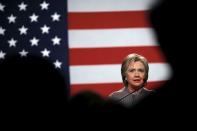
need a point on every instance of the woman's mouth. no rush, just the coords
(137, 80)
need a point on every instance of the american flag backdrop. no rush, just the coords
(86, 40)
(101, 33)
(29, 27)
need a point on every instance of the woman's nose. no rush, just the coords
(136, 73)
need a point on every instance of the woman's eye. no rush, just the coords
(131, 70)
(141, 70)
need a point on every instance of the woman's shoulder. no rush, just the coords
(117, 94)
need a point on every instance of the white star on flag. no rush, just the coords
(45, 53)
(34, 18)
(2, 31)
(55, 17)
(56, 40)
(45, 29)
(12, 18)
(23, 30)
(12, 42)
(23, 53)
(22, 6)
(34, 41)
(44, 5)
(57, 64)
(2, 7)
(2, 54)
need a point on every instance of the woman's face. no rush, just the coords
(135, 75)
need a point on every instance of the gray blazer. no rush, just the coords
(128, 99)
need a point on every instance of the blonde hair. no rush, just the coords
(133, 58)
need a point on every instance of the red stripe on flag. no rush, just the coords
(95, 20)
(106, 89)
(91, 56)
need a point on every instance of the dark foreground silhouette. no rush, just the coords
(36, 93)
(32, 92)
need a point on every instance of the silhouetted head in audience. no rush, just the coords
(31, 87)
(88, 101)
(173, 26)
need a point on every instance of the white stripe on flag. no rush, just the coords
(108, 5)
(111, 73)
(111, 38)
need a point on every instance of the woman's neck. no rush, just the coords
(133, 89)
